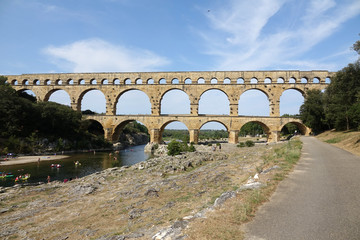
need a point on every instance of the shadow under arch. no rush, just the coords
(164, 125)
(302, 128)
(127, 91)
(94, 127)
(264, 127)
(120, 127)
(217, 102)
(180, 103)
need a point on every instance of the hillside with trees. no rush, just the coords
(28, 126)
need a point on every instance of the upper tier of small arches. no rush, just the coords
(247, 77)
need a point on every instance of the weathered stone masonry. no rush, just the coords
(194, 84)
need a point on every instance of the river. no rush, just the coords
(90, 163)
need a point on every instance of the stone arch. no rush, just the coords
(240, 81)
(105, 81)
(162, 81)
(303, 129)
(116, 81)
(328, 80)
(119, 128)
(95, 102)
(81, 82)
(164, 125)
(280, 80)
(254, 80)
(215, 103)
(215, 121)
(201, 80)
(227, 80)
(291, 100)
(266, 128)
(213, 81)
(70, 81)
(36, 82)
(92, 127)
(188, 81)
(316, 80)
(267, 80)
(304, 80)
(61, 97)
(292, 80)
(175, 81)
(150, 81)
(28, 91)
(139, 81)
(25, 82)
(14, 82)
(178, 103)
(127, 81)
(58, 82)
(93, 81)
(133, 105)
(254, 97)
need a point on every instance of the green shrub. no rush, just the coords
(241, 144)
(249, 143)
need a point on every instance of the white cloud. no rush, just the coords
(96, 55)
(242, 36)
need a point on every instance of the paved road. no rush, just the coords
(319, 200)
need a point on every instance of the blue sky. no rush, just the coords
(42, 36)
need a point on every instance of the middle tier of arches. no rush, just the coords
(157, 98)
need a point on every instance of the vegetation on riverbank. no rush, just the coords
(28, 126)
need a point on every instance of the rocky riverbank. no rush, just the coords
(155, 199)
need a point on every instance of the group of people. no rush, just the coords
(214, 147)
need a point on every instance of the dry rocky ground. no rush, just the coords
(160, 198)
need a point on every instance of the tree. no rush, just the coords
(341, 94)
(312, 112)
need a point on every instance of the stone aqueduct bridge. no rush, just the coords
(194, 84)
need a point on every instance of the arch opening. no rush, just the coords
(280, 80)
(188, 81)
(254, 80)
(201, 81)
(240, 81)
(254, 102)
(139, 81)
(227, 81)
(36, 82)
(162, 81)
(28, 94)
(93, 100)
(127, 81)
(291, 129)
(290, 102)
(70, 82)
(150, 81)
(255, 131)
(292, 80)
(105, 82)
(175, 101)
(58, 96)
(214, 101)
(133, 102)
(126, 131)
(304, 80)
(213, 132)
(116, 81)
(267, 80)
(174, 130)
(213, 81)
(175, 81)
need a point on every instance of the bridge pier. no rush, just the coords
(155, 136)
(233, 136)
(194, 135)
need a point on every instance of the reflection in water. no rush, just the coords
(89, 161)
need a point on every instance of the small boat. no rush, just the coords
(55, 165)
(22, 178)
(6, 175)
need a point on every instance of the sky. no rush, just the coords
(67, 36)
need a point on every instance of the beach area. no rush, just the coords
(30, 159)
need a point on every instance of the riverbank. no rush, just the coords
(162, 198)
(30, 159)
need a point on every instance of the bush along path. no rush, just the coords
(162, 198)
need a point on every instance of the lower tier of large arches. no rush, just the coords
(272, 126)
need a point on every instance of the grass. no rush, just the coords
(334, 140)
(225, 222)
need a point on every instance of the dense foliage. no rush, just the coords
(176, 148)
(27, 126)
(339, 106)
